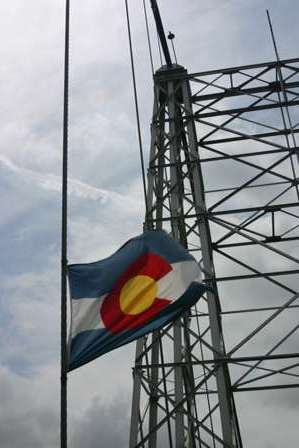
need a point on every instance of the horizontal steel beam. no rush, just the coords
(236, 91)
(276, 386)
(231, 70)
(262, 274)
(265, 208)
(274, 239)
(241, 110)
(227, 71)
(245, 310)
(229, 360)
(242, 156)
(248, 137)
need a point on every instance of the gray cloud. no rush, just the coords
(25, 419)
(103, 425)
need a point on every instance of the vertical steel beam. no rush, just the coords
(174, 145)
(175, 211)
(207, 257)
(153, 399)
(135, 411)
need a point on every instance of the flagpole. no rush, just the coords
(63, 386)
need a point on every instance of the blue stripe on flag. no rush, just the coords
(95, 279)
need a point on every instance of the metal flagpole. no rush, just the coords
(63, 390)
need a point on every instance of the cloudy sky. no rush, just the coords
(106, 206)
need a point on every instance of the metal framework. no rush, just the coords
(223, 180)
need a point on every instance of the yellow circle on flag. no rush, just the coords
(138, 294)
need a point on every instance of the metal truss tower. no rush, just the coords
(223, 180)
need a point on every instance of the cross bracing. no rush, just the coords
(223, 180)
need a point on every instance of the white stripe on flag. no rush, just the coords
(86, 312)
(174, 284)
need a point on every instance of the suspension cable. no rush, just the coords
(148, 36)
(136, 107)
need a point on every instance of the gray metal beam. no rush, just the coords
(184, 394)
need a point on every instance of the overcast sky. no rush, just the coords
(106, 204)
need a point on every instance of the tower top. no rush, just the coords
(173, 70)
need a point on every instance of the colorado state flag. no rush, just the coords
(150, 281)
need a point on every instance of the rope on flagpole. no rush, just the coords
(136, 109)
(63, 384)
(148, 37)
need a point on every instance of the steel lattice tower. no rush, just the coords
(223, 180)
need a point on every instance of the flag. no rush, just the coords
(150, 281)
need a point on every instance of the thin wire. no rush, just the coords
(285, 100)
(148, 36)
(174, 53)
(136, 109)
